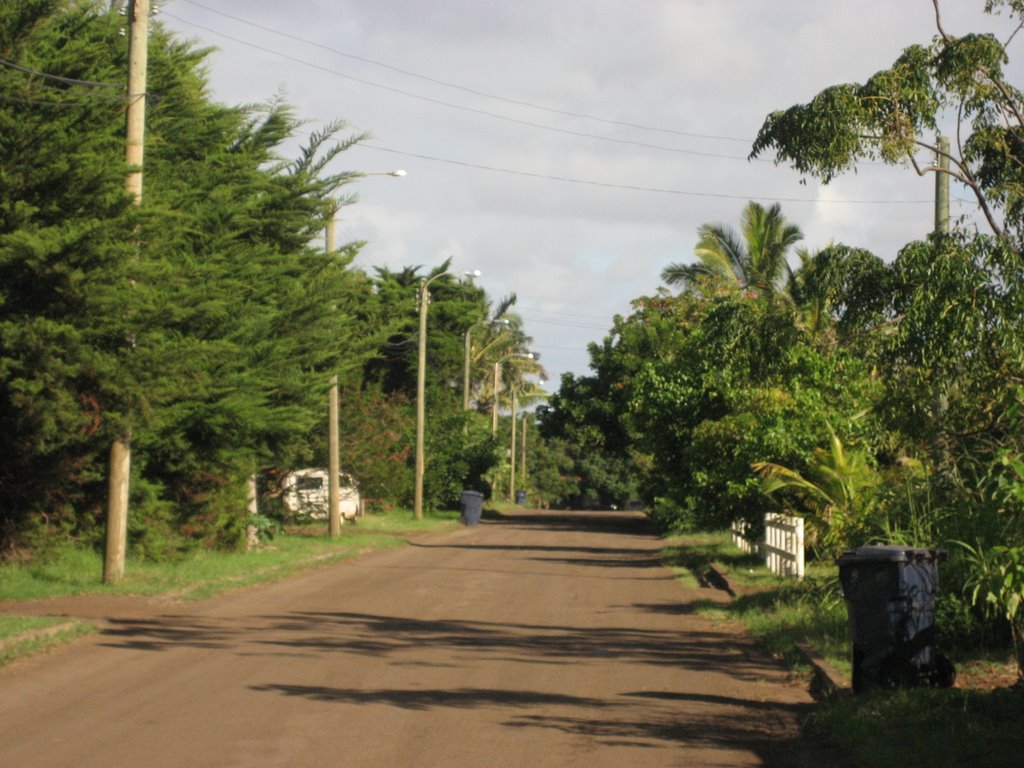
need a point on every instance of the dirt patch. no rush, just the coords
(984, 675)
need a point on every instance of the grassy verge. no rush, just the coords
(928, 727)
(979, 722)
(74, 570)
(77, 571)
(780, 613)
(24, 635)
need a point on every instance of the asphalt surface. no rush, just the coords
(537, 639)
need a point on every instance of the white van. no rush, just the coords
(304, 492)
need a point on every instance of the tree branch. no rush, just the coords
(964, 176)
(1013, 35)
(938, 21)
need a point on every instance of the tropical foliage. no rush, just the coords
(756, 261)
(878, 396)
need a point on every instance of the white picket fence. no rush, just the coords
(782, 546)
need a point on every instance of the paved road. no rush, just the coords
(540, 639)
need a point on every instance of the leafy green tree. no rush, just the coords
(953, 359)
(376, 445)
(60, 359)
(689, 391)
(738, 383)
(460, 452)
(897, 112)
(843, 294)
(455, 305)
(589, 415)
(946, 343)
(551, 481)
(755, 260)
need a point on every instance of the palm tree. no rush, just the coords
(837, 492)
(754, 259)
(807, 292)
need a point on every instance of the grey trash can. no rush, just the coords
(521, 498)
(890, 600)
(472, 507)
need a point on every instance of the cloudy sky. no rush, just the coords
(569, 149)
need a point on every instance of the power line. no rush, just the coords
(638, 188)
(45, 102)
(452, 105)
(57, 78)
(565, 324)
(472, 110)
(566, 314)
(463, 88)
(574, 348)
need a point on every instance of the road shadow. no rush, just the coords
(393, 637)
(696, 721)
(420, 699)
(699, 731)
(167, 632)
(582, 521)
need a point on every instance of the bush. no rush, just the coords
(460, 452)
(669, 516)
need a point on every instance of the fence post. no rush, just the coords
(784, 545)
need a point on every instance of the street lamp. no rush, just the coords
(421, 380)
(329, 229)
(333, 438)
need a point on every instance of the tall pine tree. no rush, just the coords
(208, 321)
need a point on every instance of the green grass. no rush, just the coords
(927, 727)
(779, 612)
(402, 521)
(74, 570)
(16, 625)
(77, 571)
(25, 635)
(920, 727)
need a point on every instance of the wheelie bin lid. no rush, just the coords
(889, 553)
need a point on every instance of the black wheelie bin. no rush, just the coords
(890, 600)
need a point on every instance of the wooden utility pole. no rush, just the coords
(421, 394)
(494, 408)
(135, 131)
(942, 185)
(333, 464)
(333, 438)
(512, 454)
(940, 401)
(522, 462)
(329, 232)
